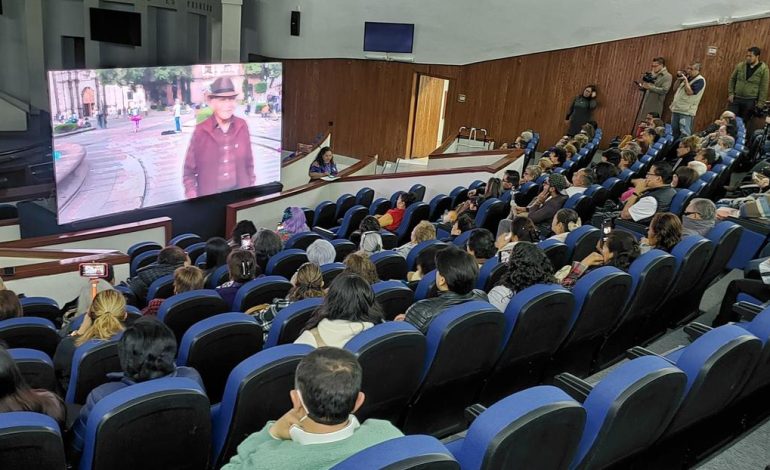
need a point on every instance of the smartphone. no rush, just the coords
(606, 228)
(246, 243)
(94, 270)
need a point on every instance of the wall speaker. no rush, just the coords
(295, 23)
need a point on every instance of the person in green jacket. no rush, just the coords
(748, 85)
(320, 429)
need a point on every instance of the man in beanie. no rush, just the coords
(547, 203)
(219, 156)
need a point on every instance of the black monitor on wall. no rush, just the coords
(119, 27)
(388, 37)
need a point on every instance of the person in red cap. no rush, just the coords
(219, 156)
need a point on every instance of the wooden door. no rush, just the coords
(428, 115)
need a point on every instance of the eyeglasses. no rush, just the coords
(691, 213)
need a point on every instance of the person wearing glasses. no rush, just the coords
(652, 194)
(699, 217)
(689, 86)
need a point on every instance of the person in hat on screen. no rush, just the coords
(219, 156)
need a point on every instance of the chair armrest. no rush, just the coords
(473, 412)
(746, 310)
(696, 330)
(327, 234)
(638, 351)
(576, 387)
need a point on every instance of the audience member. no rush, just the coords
(266, 245)
(527, 266)
(727, 117)
(244, 227)
(481, 245)
(531, 174)
(581, 109)
(360, 264)
(611, 155)
(146, 351)
(217, 250)
(511, 180)
(581, 180)
(725, 143)
(425, 263)
(748, 84)
(292, 223)
(349, 308)
(689, 88)
(706, 156)
(685, 152)
(627, 160)
(17, 395)
(323, 165)
(470, 207)
(570, 151)
(422, 232)
(368, 224)
(10, 307)
(186, 278)
(753, 206)
(307, 282)
(320, 430)
(392, 218)
(564, 222)
(633, 146)
(169, 259)
(371, 242)
(547, 203)
(103, 321)
(756, 288)
(588, 130)
(603, 171)
(699, 167)
(556, 155)
(619, 249)
(664, 232)
(493, 188)
(463, 224)
(653, 194)
(456, 273)
(699, 217)
(242, 268)
(648, 138)
(546, 165)
(321, 252)
(510, 232)
(684, 177)
(520, 142)
(80, 305)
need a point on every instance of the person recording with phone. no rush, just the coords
(655, 85)
(690, 86)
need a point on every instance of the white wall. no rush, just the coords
(454, 32)
(60, 287)
(13, 50)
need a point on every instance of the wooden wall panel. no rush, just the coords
(369, 101)
(427, 115)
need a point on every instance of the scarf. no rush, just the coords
(696, 226)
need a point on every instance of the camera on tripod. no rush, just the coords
(648, 77)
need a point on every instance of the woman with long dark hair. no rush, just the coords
(217, 250)
(349, 308)
(323, 165)
(527, 266)
(664, 232)
(581, 109)
(619, 250)
(16, 395)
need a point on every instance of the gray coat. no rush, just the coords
(654, 97)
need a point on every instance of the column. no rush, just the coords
(231, 30)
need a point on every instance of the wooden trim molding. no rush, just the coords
(9, 222)
(160, 222)
(64, 261)
(300, 155)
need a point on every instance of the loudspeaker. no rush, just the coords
(295, 23)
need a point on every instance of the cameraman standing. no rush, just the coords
(689, 91)
(748, 85)
(655, 84)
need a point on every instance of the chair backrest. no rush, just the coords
(379, 206)
(439, 204)
(41, 307)
(725, 236)
(143, 259)
(364, 197)
(415, 213)
(309, 216)
(491, 212)
(30, 332)
(290, 321)
(244, 409)
(490, 274)
(218, 277)
(260, 291)
(351, 221)
(581, 242)
(324, 214)
(697, 187)
(36, 367)
(330, 271)
(411, 258)
(526, 193)
(395, 350)
(195, 250)
(458, 195)
(301, 240)
(760, 327)
(161, 288)
(598, 194)
(181, 311)
(651, 276)
(217, 344)
(30, 440)
(403, 453)
(184, 240)
(462, 239)
(516, 431)
(91, 363)
(344, 202)
(138, 248)
(628, 410)
(419, 191)
(159, 408)
(556, 252)
(680, 201)
(692, 255)
(394, 298)
(615, 186)
(389, 265)
(426, 288)
(600, 296)
(718, 364)
(343, 248)
(286, 263)
(389, 240)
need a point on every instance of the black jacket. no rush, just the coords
(140, 283)
(422, 313)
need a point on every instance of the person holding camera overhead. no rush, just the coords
(747, 86)
(581, 110)
(689, 91)
(655, 84)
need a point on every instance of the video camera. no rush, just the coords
(762, 110)
(648, 77)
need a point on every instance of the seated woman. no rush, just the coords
(648, 139)
(349, 308)
(603, 171)
(217, 250)
(307, 282)
(323, 165)
(359, 263)
(481, 245)
(16, 394)
(392, 219)
(10, 307)
(527, 266)
(684, 177)
(520, 142)
(664, 232)
(242, 268)
(186, 278)
(619, 249)
(531, 174)
(425, 263)
(546, 165)
(493, 188)
(103, 321)
(422, 232)
(146, 350)
(464, 223)
(321, 252)
(371, 242)
(266, 245)
(564, 222)
(510, 232)
(627, 159)
(685, 152)
(292, 223)
(244, 227)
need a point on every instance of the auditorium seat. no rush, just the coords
(539, 427)
(598, 194)
(41, 307)
(389, 240)
(394, 198)
(324, 213)
(138, 248)
(626, 411)
(402, 453)
(170, 416)
(91, 363)
(556, 252)
(697, 187)
(181, 311)
(309, 216)
(161, 288)
(581, 242)
(419, 192)
(30, 441)
(490, 274)
(426, 288)
(285, 263)
(581, 204)
(260, 291)
(389, 265)
(36, 367)
(755, 235)
(438, 205)
(290, 321)
(364, 197)
(343, 248)
(411, 258)
(536, 321)
(681, 201)
(30, 332)
(141, 260)
(392, 356)
(244, 409)
(491, 212)
(458, 195)
(216, 345)
(301, 240)
(615, 187)
(350, 222)
(415, 213)
(330, 271)
(526, 194)
(195, 250)
(461, 240)
(379, 206)
(200, 261)
(393, 297)
(184, 240)
(463, 343)
(344, 203)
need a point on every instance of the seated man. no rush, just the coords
(320, 430)
(581, 180)
(169, 259)
(511, 180)
(653, 194)
(725, 118)
(706, 156)
(456, 273)
(699, 217)
(481, 245)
